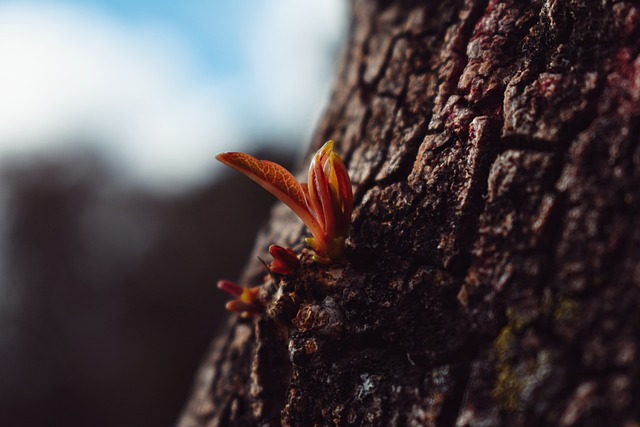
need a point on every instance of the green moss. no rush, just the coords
(566, 310)
(508, 388)
(517, 379)
(439, 279)
(504, 343)
(547, 304)
(519, 320)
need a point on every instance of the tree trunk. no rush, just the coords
(493, 266)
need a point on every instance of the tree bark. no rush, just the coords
(493, 271)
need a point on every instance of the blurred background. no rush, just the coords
(115, 220)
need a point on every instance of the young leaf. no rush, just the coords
(276, 180)
(324, 204)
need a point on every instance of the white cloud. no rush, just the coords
(289, 47)
(74, 75)
(70, 74)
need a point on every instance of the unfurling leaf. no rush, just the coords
(275, 179)
(324, 204)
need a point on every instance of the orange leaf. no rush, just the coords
(340, 180)
(276, 180)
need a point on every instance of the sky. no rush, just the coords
(159, 87)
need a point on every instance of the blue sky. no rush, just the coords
(213, 29)
(158, 87)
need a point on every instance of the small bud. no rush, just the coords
(285, 260)
(246, 302)
(331, 200)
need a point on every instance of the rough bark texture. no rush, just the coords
(493, 267)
